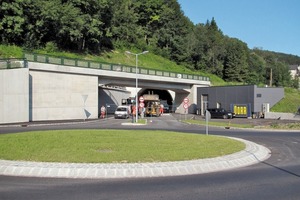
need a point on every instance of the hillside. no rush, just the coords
(149, 60)
(282, 57)
(109, 28)
(290, 103)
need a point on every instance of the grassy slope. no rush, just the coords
(148, 60)
(10, 51)
(290, 103)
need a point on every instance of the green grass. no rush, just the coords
(118, 56)
(10, 51)
(224, 124)
(279, 126)
(113, 146)
(152, 61)
(284, 126)
(290, 103)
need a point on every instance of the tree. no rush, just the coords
(296, 82)
(236, 65)
(84, 24)
(41, 20)
(156, 25)
(281, 75)
(212, 49)
(11, 21)
(177, 28)
(257, 69)
(124, 28)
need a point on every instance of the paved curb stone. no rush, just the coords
(252, 154)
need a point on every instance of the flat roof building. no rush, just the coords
(243, 100)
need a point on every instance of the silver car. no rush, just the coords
(122, 112)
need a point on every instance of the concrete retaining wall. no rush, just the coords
(62, 96)
(14, 95)
(111, 98)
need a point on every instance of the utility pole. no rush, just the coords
(271, 77)
(136, 82)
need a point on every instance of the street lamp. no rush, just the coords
(136, 80)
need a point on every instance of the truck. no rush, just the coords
(152, 105)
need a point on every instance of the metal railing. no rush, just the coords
(12, 63)
(107, 66)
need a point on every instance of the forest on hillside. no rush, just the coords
(159, 26)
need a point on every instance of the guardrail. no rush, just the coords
(12, 63)
(105, 66)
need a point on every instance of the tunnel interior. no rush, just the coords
(163, 94)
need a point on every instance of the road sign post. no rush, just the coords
(141, 106)
(207, 117)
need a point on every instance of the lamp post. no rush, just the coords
(136, 80)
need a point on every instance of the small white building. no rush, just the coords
(295, 71)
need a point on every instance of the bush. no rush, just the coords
(51, 47)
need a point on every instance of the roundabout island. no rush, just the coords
(124, 154)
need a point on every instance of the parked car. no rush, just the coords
(220, 113)
(122, 112)
(165, 106)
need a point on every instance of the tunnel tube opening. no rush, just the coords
(163, 95)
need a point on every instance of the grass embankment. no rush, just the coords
(289, 104)
(220, 124)
(10, 51)
(284, 126)
(276, 125)
(113, 146)
(118, 56)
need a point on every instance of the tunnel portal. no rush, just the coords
(163, 95)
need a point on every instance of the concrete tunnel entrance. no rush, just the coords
(112, 97)
(163, 95)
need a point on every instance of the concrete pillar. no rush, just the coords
(178, 102)
(192, 103)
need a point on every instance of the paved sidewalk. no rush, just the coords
(253, 154)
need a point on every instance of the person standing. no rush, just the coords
(133, 112)
(161, 109)
(102, 111)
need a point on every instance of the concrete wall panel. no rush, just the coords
(14, 95)
(60, 96)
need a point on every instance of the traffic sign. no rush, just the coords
(142, 105)
(185, 100)
(141, 99)
(185, 106)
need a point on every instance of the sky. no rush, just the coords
(272, 25)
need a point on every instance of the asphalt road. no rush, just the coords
(276, 178)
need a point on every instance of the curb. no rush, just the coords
(252, 154)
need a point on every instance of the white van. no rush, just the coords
(122, 112)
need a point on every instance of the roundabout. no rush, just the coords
(226, 177)
(252, 154)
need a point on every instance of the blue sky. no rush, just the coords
(272, 25)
